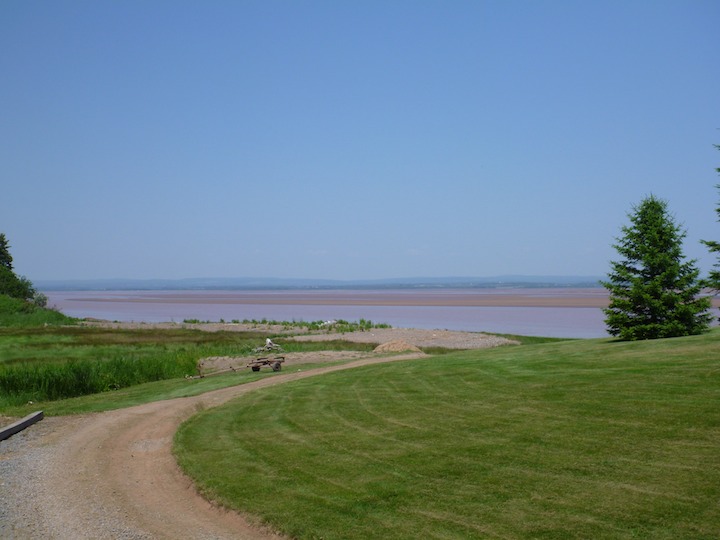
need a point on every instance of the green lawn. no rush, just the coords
(577, 439)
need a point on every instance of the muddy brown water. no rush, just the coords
(562, 312)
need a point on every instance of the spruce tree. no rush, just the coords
(713, 280)
(10, 283)
(653, 289)
(5, 257)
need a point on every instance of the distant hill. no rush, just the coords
(256, 283)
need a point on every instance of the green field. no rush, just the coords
(577, 439)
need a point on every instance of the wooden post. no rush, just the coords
(15, 427)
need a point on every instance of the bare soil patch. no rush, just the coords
(420, 338)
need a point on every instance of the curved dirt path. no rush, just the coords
(113, 475)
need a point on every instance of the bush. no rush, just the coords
(40, 300)
(14, 286)
(18, 312)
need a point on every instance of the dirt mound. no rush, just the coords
(397, 345)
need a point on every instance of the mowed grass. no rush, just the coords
(579, 439)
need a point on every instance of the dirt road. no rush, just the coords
(112, 475)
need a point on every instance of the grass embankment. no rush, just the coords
(581, 439)
(20, 313)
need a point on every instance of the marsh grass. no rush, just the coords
(575, 439)
(42, 364)
(335, 326)
(49, 381)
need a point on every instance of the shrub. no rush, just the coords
(18, 312)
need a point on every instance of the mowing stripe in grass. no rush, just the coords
(563, 440)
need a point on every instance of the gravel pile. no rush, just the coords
(397, 345)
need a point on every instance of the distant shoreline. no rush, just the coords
(486, 297)
(272, 284)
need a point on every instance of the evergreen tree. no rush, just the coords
(653, 290)
(713, 279)
(10, 283)
(5, 257)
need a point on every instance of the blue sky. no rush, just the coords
(350, 140)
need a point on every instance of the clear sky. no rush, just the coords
(351, 139)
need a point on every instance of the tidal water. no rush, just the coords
(572, 313)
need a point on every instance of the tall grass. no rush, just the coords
(41, 381)
(45, 363)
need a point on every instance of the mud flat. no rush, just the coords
(558, 312)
